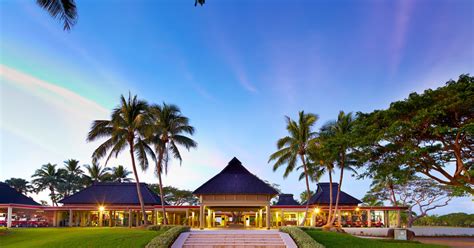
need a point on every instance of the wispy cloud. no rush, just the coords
(50, 92)
(403, 15)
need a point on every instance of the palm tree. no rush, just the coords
(168, 131)
(64, 10)
(338, 138)
(48, 178)
(295, 146)
(73, 174)
(20, 185)
(97, 173)
(125, 128)
(120, 174)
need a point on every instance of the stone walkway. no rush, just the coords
(234, 239)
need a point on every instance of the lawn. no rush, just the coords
(337, 240)
(76, 237)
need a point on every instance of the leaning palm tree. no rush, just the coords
(295, 146)
(48, 177)
(120, 174)
(338, 138)
(125, 129)
(20, 185)
(169, 130)
(97, 173)
(73, 174)
(64, 10)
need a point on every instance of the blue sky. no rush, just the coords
(234, 67)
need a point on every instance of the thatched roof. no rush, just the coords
(321, 197)
(235, 179)
(9, 195)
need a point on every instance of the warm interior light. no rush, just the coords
(357, 209)
(317, 210)
(101, 208)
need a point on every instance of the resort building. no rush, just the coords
(234, 198)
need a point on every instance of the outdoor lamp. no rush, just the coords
(101, 208)
(357, 208)
(316, 210)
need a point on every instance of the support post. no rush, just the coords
(369, 218)
(9, 217)
(187, 217)
(110, 218)
(137, 219)
(339, 217)
(260, 218)
(209, 218)
(268, 216)
(399, 220)
(101, 218)
(282, 218)
(130, 218)
(55, 218)
(70, 217)
(201, 217)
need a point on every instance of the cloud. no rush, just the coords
(403, 15)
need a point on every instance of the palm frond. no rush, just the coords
(64, 10)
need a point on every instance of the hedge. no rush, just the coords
(166, 239)
(302, 239)
(160, 227)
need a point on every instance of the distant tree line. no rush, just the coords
(453, 219)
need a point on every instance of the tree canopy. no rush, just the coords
(427, 133)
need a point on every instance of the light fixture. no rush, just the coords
(357, 208)
(317, 210)
(101, 208)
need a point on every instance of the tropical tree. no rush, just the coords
(48, 177)
(64, 10)
(295, 147)
(304, 196)
(120, 174)
(124, 129)
(72, 177)
(338, 140)
(425, 133)
(96, 173)
(20, 184)
(168, 132)
(176, 196)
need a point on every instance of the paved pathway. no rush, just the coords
(456, 242)
(234, 239)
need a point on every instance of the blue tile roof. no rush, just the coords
(321, 197)
(9, 195)
(286, 200)
(235, 179)
(113, 193)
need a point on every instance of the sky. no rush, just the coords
(235, 68)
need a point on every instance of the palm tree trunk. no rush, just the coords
(137, 182)
(394, 200)
(339, 187)
(53, 196)
(158, 170)
(329, 223)
(308, 192)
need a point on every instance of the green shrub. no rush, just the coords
(166, 239)
(302, 239)
(160, 227)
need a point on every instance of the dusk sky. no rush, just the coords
(235, 68)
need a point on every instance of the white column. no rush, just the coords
(187, 217)
(201, 216)
(268, 216)
(369, 218)
(70, 217)
(9, 217)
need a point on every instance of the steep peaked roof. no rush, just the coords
(9, 195)
(286, 200)
(235, 179)
(113, 193)
(322, 196)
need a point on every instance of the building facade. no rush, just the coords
(234, 198)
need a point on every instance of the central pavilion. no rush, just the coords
(234, 192)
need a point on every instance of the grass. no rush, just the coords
(333, 240)
(76, 237)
